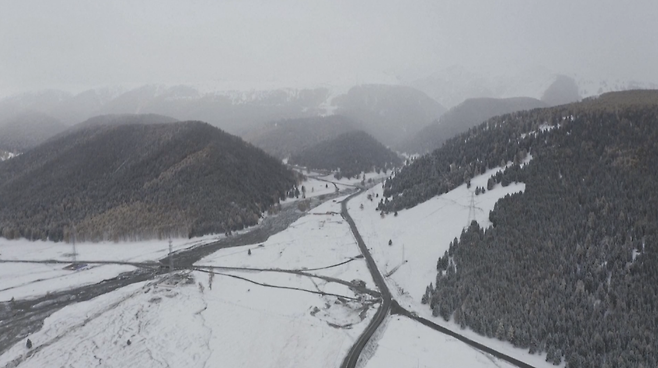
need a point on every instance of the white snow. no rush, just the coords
(421, 235)
(320, 239)
(261, 318)
(406, 343)
(316, 188)
(5, 155)
(27, 280)
(141, 251)
(175, 324)
(236, 323)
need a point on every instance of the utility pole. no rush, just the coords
(75, 255)
(471, 210)
(171, 257)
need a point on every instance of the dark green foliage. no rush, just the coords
(351, 152)
(138, 181)
(569, 267)
(462, 117)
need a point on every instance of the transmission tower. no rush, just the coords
(471, 210)
(171, 257)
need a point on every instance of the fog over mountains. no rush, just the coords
(392, 113)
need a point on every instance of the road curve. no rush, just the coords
(397, 309)
(353, 356)
(391, 306)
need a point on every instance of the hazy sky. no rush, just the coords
(73, 44)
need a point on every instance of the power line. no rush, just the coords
(471, 210)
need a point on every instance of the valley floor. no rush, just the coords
(236, 318)
(285, 302)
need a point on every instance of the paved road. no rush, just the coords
(397, 309)
(20, 318)
(353, 356)
(391, 306)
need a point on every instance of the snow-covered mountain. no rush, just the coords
(384, 107)
(455, 84)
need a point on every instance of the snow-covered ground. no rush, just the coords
(174, 323)
(318, 240)
(141, 251)
(406, 343)
(4, 155)
(248, 318)
(27, 280)
(24, 280)
(241, 321)
(421, 235)
(315, 188)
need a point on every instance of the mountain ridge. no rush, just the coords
(138, 181)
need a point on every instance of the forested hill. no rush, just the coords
(464, 116)
(283, 138)
(138, 181)
(351, 152)
(570, 266)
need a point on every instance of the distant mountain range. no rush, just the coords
(28, 129)
(388, 113)
(130, 181)
(462, 117)
(451, 86)
(391, 112)
(283, 138)
(349, 154)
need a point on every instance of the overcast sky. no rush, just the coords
(75, 44)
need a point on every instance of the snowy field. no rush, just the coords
(421, 235)
(317, 184)
(252, 318)
(408, 344)
(24, 280)
(173, 323)
(28, 280)
(141, 251)
(316, 242)
(226, 318)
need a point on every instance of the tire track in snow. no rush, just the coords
(35, 350)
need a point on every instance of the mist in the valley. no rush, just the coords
(76, 44)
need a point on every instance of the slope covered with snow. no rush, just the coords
(227, 318)
(406, 343)
(419, 236)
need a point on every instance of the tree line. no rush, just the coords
(569, 267)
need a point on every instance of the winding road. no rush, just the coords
(391, 306)
(353, 356)
(20, 318)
